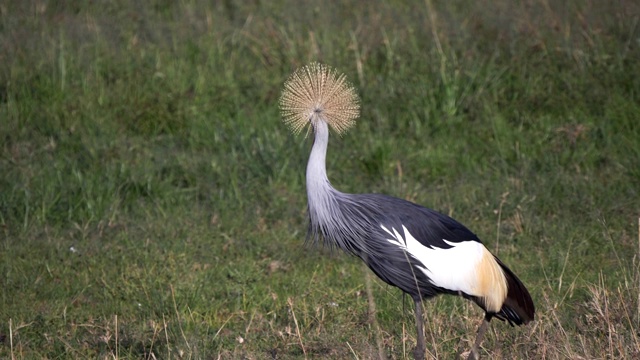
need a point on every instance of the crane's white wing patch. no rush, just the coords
(454, 269)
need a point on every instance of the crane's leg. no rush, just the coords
(419, 351)
(482, 329)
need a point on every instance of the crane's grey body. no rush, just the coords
(358, 224)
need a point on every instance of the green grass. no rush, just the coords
(152, 204)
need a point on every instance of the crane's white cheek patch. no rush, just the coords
(453, 269)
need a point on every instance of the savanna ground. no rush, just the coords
(152, 204)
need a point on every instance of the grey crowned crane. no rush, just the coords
(419, 250)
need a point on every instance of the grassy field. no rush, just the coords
(152, 203)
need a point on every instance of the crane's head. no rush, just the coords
(316, 92)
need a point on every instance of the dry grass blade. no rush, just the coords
(295, 321)
(318, 91)
(11, 338)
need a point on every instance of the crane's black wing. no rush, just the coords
(368, 225)
(432, 230)
(428, 226)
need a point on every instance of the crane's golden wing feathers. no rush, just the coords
(316, 90)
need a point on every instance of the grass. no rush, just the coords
(152, 204)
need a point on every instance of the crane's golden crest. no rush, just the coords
(318, 92)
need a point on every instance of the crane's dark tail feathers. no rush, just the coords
(518, 307)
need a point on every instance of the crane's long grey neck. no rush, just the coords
(320, 193)
(325, 215)
(332, 214)
(318, 184)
